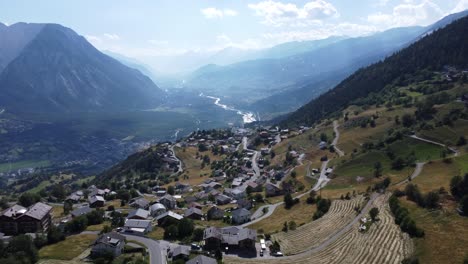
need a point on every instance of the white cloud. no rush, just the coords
(212, 12)
(279, 14)
(408, 14)
(111, 36)
(230, 12)
(158, 42)
(223, 38)
(95, 40)
(462, 5)
(324, 31)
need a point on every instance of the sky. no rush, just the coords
(148, 28)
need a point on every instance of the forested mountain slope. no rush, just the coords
(446, 46)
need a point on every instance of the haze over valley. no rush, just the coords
(266, 131)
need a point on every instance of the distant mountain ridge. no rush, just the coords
(265, 77)
(58, 70)
(284, 84)
(13, 40)
(445, 46)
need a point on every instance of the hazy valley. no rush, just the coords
(334, 149)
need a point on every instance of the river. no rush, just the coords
(247, 117)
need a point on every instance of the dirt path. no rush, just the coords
(416, 172)
(455, 151)
(180, 166)
(337, 137)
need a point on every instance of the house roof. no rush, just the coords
(168, 197)
(74, 197)
(241, 212)
(202, 259)
(96, 198)
(223, 197)
(157, 206)
(133, 223)
(215, 209)
(139, 213)
(192, 210)
(14, 211)
(181, 250)
(142, 202)
(230, 235)
(81, 211)
(170, 214)
(112, 239)
(38, 210)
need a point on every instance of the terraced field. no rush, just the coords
(314, 233)
(383, 243)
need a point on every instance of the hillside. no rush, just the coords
(58, 70)
(447, 46)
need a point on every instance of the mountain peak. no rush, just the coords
(58, 70)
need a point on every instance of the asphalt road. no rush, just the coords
(154, 249)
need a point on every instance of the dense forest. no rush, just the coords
(445, 47)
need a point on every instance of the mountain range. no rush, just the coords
(447, 46)
(50, 68)
(280, 85)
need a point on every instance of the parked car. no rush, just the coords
(261, 253)
(195, 246)
(278, 254)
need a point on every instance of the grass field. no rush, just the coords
(192, 165)
(157, 233)
(6, 167)
(67, 249)
(435, 175)
(53, 180)
(57, 211)
(462, 164)
(362, 166)
(446, 235)
(353, 136)
(300, 213)
(98, 227)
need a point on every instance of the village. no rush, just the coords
(221, 205)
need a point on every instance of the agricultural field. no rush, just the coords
(300, 213)
(360, 170)
(314, 233)
(383, 243)
(446, 234)
(13, 166)
(352, 135)
(436, 174)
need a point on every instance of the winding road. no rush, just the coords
(180, 168)
(258, 215)
(154, 248)
(416, 172)
(455, 151)
(335, 140)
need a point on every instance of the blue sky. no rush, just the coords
(148, 28)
